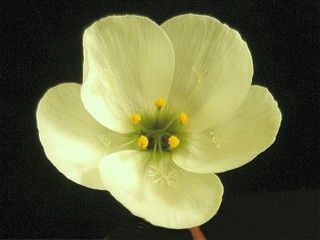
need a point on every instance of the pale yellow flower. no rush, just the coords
(160, 110)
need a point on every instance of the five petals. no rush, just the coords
(202, 67)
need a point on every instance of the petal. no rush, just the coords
(159, 191)
(213, 69)
(73, 141)
(250, 131)
(128, 63)
(81, 174)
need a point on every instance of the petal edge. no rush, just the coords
(164, 195)
(128, 63)
(250, 131)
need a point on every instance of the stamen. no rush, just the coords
(173, 142)
(135, 118)
(143, 142)
(183, 118)
(160, 103)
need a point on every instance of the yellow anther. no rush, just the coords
(173, 141)
(143, 142)
(183, 118)
(160, 103)
(135, 118)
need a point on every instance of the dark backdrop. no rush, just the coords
(276, 196)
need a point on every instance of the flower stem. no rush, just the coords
(168, 125)
(157, 117)
(197, 234)
(154, 151)
(160, 147)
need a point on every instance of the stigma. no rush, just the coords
(173, 141)
(135, 118)
(143, 142)
(160, 103)
(183, 118)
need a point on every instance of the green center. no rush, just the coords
(158, 129)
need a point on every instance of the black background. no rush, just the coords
(276, 196)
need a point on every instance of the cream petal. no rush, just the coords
(250, 131)
(213, 69)
(73, 141)
(159, 191)
(80, 174)
(128, 63)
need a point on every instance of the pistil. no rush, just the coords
(157, 136)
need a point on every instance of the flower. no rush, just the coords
(160, 110)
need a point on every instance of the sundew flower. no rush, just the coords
(161, 109)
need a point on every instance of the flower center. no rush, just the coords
(160, 131)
